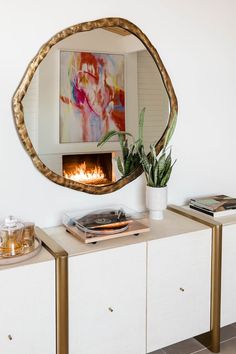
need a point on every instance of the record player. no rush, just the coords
(91, 226)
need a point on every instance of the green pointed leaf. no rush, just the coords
(110, 134)
(173, 163)
(120, 166)
(156, 175)
(150, 181)
(145, 163)
(125, 152)
(138, 144)
(123, 144)
(166, 166)
(107, 137)
(127, 164)
(135, 162)
(153, 153)
(171, 130)
(161, 163)
(140, 125)
(166, 178)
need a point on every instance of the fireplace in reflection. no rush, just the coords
(92, 168)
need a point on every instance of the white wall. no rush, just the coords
(196, 40)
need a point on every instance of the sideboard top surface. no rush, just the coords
(42, 256)
(173, 224)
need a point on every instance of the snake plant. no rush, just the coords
(130, 151)
(158, 167)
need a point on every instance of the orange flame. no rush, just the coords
(84, 174)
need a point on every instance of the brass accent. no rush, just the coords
(110, 309)
(181, 289)
(10, 337)
(210, 339)
(18, 113)
(61, 265)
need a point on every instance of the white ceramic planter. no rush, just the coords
(156, 201)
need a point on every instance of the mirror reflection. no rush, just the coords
(88, 84)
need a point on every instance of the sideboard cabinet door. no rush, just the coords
(228, 285)
(107, 297)
(27, 309)
(178, 293)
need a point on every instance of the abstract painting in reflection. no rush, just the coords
(92, 95)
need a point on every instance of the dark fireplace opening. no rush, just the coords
(95, 169)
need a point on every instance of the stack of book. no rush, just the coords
(216, 206)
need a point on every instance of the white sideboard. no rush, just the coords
(136, 294)
(27, 306)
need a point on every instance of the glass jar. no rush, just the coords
(11, 237)
(28, 234)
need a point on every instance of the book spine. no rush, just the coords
(201, 205)
(208, 212)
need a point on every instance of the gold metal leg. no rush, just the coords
(61, 269)
(211, 339)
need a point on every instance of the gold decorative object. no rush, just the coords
(28, 234)
(25, 254)
(11, 238)
(107, 23)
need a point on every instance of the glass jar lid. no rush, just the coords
(11, 224)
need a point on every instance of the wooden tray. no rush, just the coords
(136, 227)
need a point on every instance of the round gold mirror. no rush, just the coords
(87, 80)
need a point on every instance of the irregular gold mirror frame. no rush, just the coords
(25, 82)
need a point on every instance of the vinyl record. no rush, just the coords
(101, 222)
(103, 231)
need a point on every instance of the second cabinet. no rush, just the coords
(178, 288)
(108, 301)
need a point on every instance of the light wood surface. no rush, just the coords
(172, 225)
(43, 256)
